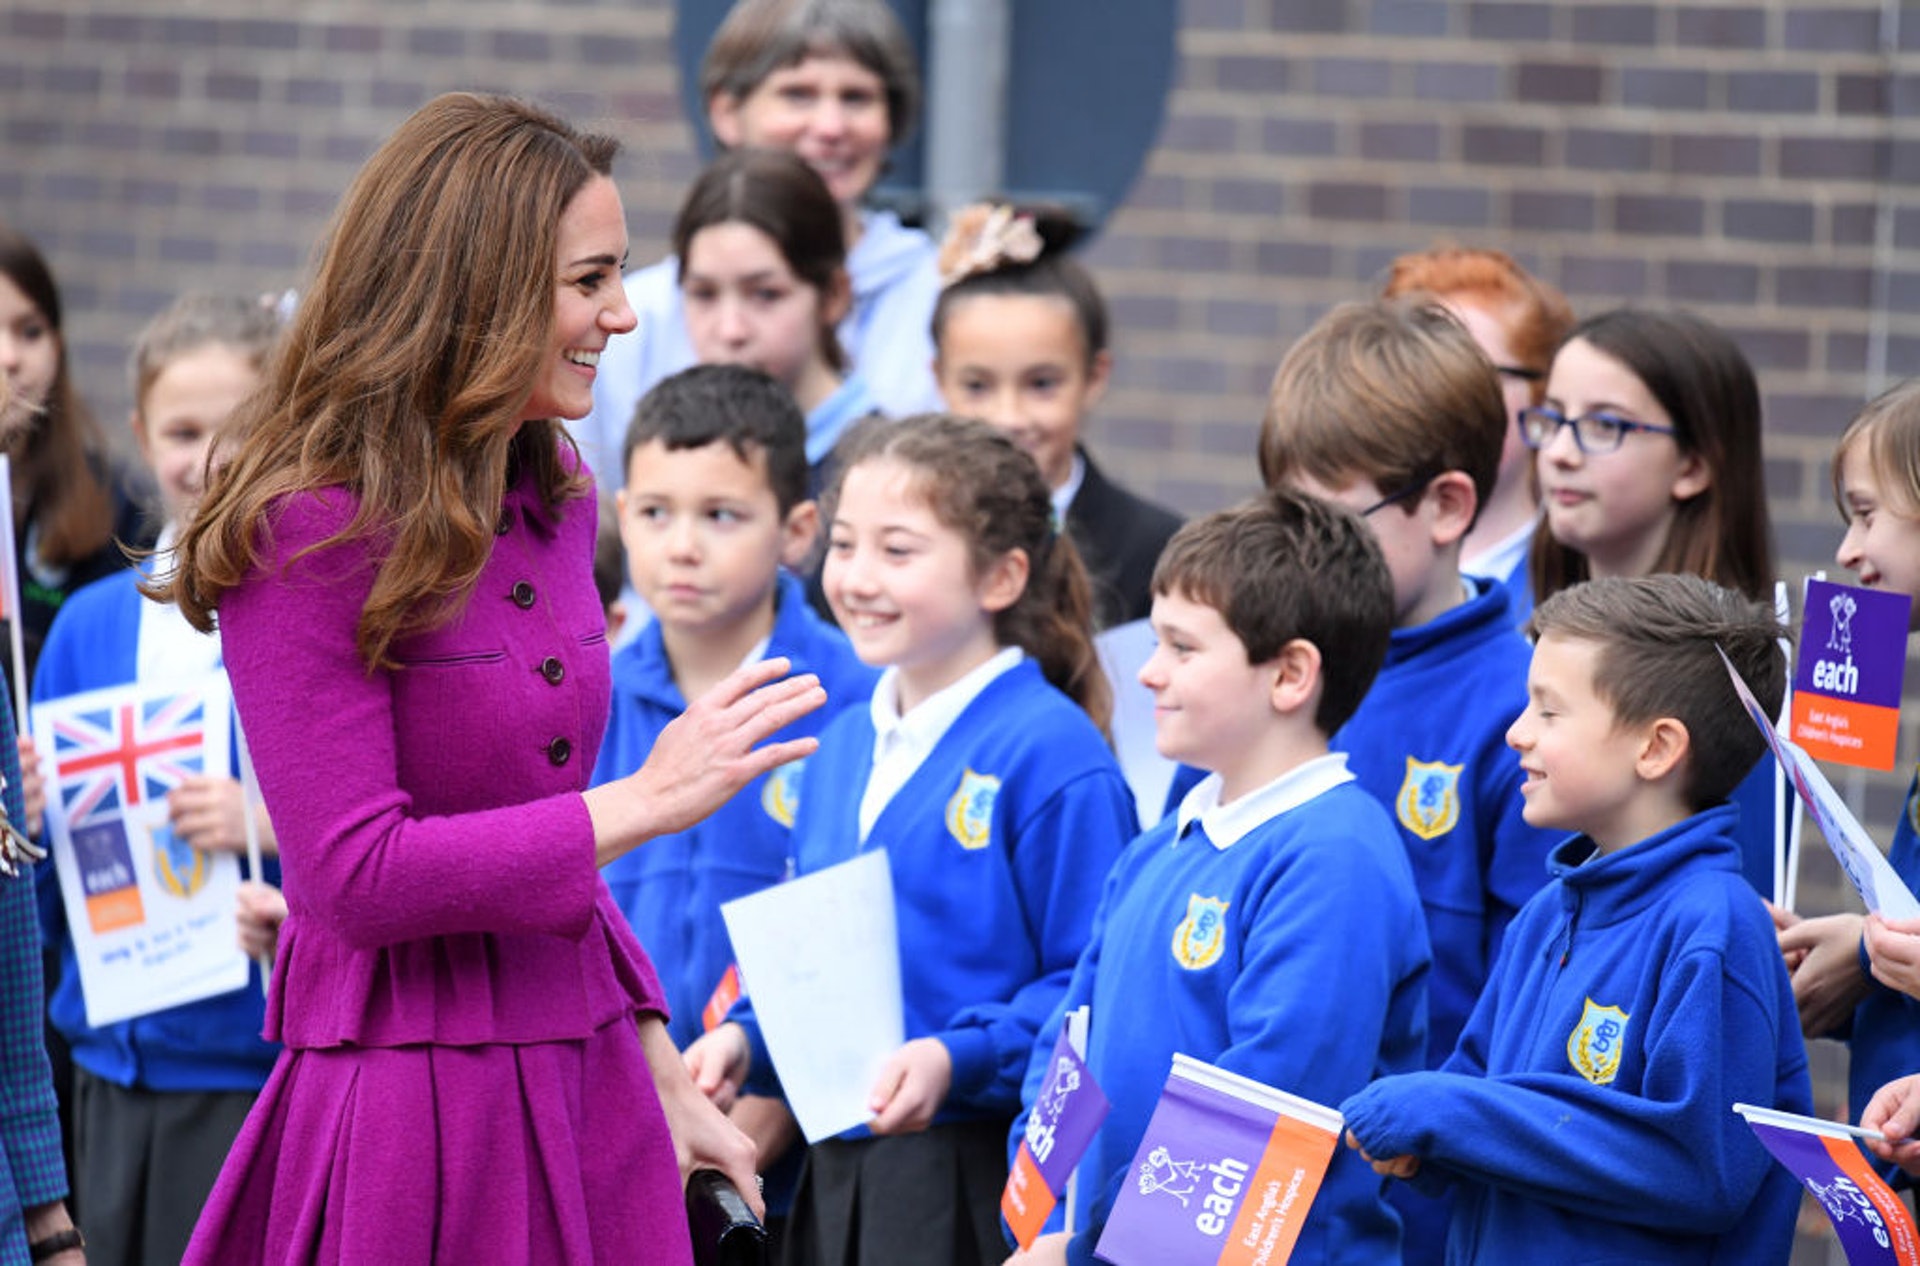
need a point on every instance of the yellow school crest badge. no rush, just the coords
(1594, 1046)
(780, 794)
(970, 811)
(1201, 936)
(178, 867)
(1429, 799)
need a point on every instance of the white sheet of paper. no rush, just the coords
(1865, 866)
(1123, 649)
(820, 959)
(170, 936)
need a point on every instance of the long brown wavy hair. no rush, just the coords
(408, 362)
(59, 461)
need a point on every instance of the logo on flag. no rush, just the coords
(1429, 799)
(780, 795)
(1870, 1221)
(114, 757)
(1593, 1048)
(1200, 937)
(970, 811)
(1161, 1175)
(1060, 1127)
(1224, 1175)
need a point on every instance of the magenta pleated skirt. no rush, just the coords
(552, 1152)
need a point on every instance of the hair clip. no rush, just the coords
(983, 238)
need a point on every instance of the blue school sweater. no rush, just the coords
(1885, 1041)
(1587, 1114)
(1313, 979)
(213, 1044)
(999, 844)
(672, 887)
(1757, 799)
(1429, 741)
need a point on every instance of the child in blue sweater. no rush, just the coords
(1271, 620)
(1390, 409)
(1847, 990)
(715, 509)
(158, 1099)
(981, 770)
(1587, 1112)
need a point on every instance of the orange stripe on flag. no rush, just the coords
(1901, 1236)
(1849, 733)
(1277, 1199)
(721, 1001)
(1026, 1203)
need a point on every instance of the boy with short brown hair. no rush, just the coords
(1587, 1109)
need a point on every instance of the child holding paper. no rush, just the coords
(1587, 1111)
(980, 769)
(1234, 930)
(1854, 977)
(158, 1099)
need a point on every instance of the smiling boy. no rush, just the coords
(1586, 1113)
(1270, 925)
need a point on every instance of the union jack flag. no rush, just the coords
(113, 757)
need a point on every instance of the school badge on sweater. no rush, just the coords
(780, 794)
(1200, 937)
(1593, 1048)
(1429, 799)
(970, 811)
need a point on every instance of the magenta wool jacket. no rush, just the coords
(438, 858)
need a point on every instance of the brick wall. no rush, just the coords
(1755, 160)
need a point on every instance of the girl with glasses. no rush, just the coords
(1647, 456)
(1647, 452)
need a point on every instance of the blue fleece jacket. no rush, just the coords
(999, 844)
(213, 1044)
(887, 335)
(1885, 1041)
(1315, 982)
(1430, 742)
(671, 890)
(1586, 1115)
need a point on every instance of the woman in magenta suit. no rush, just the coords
(400, 555)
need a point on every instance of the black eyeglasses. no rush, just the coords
(1399, 494)
(1592, 432)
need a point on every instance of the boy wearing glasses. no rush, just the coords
(1390, 409)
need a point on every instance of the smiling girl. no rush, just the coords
(1876, 484)
(981, 770)
(1021, 342)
